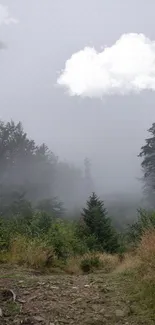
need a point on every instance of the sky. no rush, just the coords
(109, 131)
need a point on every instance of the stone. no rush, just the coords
(1, 313)
(95, 307)
(77, 300)
(119, 313)
(54, 287)
(39, 318)
(21, 301)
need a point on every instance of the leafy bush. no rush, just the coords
(62, 238)
(4, 235)
(31, 252)
(145, 222)
(90, 262)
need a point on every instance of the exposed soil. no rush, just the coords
(93, 299)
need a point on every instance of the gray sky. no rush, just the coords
(110, 132)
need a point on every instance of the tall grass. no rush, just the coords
(138, 273)
(35, 253)
(146, 252)
(30, 252)
(91, 262)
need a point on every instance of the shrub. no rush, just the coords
(62, 238)
(146, 251)
(90, 262)
(145, 222)
(139, 275)
(72, 265)
(31, 252)
(109, 262)
(4, 235)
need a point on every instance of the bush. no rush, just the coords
(4, 235)
(145, 222)
(31, 252)
(90, 262)
(62, 238)
(146, 251)
(140, 277)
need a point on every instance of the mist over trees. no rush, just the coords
(47, 201)
(34, 172)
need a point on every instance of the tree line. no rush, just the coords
(34, 171)
(31, 176)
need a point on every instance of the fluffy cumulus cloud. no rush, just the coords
(5, 17)
(127, 66)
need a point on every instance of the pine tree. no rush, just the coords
(148, 165)
(99, 225)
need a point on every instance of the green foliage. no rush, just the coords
(4, 235)
(89, 263)
(54, 232)
(97, 226)
(148, 165)
(62, 237)
(145, 221)
(41, 223)
(32, 218)
(29, 225)
(32, 252)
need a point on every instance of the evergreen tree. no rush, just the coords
(148, 165)
(98, 224)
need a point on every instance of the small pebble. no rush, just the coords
(1, 313)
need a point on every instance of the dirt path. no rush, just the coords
(94, 299)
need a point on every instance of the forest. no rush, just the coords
(53, 223)
(52, 202)
(77, 163)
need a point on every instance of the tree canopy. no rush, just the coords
(98, 224)
(34, 171)
(148, 165)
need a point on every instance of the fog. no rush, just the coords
(110, 131)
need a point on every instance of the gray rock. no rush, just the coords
(39, 318)
(54, 287)
(119, 313)
(95, 307)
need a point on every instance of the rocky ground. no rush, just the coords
(95, 299)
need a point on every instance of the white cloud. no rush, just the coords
(5, 17)
(127, 66)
